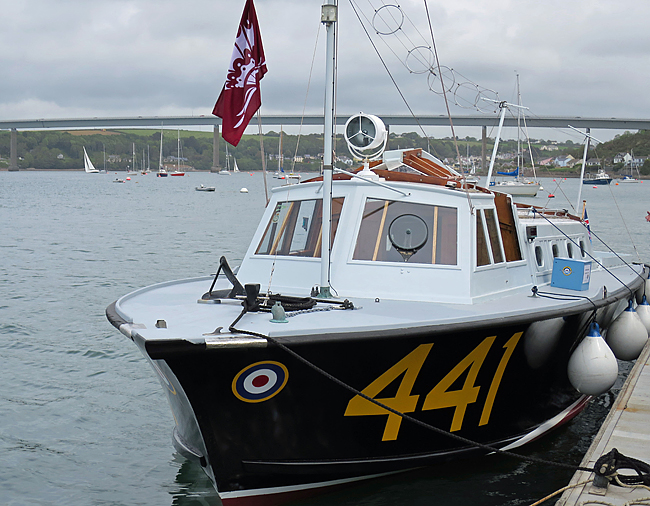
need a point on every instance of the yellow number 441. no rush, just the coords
(403, 401)
(440, 396)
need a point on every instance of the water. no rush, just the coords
(83, 420)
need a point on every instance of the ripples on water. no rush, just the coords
(83, 419)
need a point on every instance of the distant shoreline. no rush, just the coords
(199, 171)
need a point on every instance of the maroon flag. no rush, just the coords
(240, 97)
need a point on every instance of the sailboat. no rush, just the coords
(226, 171)
(146, 170)
(518, 185)
(178, 171)
(279, 174)
(629, 178)
(132, 170)
(235, 168)
(367, 300)
(161, 169)
(88, 164)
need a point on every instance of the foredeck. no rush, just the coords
(185, 318)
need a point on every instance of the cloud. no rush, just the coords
(144, 57)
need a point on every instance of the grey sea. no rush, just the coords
(83, 419)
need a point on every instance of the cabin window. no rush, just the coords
(482, 255)
(569, 249)
(495, 241)
(556, 251)
(582, 248)
(402, 231)
(539, 256)
(295, 228)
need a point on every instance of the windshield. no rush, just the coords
(295, 228)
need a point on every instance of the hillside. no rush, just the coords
(61, 150)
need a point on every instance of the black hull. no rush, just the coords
(482, 385)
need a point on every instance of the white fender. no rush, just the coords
(540, 341)
(644, 290)
(627, 334)
(592, 368)
(643, 310)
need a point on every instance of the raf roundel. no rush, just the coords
(260, 381)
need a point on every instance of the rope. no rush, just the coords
(624, 224)
(559, 491)
(592, 257)
(304, 105)
(404, 416)
(387, 70)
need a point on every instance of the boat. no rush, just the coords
(235, 168)
(178, 171)
(162, 172)
(118, 180)
(629, 160)
(520, 187)
(130, 171)
(203, 188)
(601, 177)
(226, 170)
(88, 164)
(517, 186)
(279, 174)
(427, 299)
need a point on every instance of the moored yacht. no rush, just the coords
(436, 283)
(380, 320)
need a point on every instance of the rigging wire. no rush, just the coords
(444, 94)
(486, 447)
(535, 211)
(304, 105)
(624, 224)
(383, 62)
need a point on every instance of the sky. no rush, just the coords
(111, 58)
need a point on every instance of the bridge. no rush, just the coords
(483, 121)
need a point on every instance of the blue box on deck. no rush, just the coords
(571, 274)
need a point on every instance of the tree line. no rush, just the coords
(61, 150)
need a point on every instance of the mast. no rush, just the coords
(519, 157)
(178, 152)
(503, 106)
(160, 165)
(328, 17)
(280, 155)
(582, 171)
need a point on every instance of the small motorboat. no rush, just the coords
(118, 180)
(204, 188)
(601, 177)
